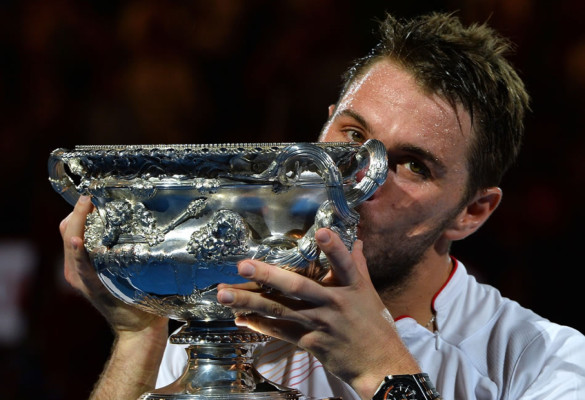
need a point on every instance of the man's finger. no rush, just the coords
(272, 305)
(64, 223)
(75, 224)
(343, 264)
(251, 286)
(287, 282)
(280, 329)
(78, 270)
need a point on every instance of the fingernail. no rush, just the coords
(246, 270)
(322, 236)
(241, 321)
(84, 199)
(225, 297)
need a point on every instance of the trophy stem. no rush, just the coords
(220, 356)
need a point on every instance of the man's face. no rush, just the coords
(427, 144)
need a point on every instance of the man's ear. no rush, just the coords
(477, 211)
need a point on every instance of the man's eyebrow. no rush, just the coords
(358, 117)
(423, 154)
(405, 147)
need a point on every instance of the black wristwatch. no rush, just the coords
(411, 387)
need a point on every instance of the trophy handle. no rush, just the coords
(60, 179)
(372, 151)
(339, 203)
(375, 175)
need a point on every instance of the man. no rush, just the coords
(449, 109)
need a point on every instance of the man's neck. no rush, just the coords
(415, 298)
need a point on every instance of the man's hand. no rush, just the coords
(140, 337)
(81, 275)
(341, 320)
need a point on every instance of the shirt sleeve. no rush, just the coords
(560, 352)
(172, 365)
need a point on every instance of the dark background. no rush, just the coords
(109, 72)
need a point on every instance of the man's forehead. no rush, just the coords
(390, 105)
(390, 87)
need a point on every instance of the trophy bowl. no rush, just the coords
(171, 222)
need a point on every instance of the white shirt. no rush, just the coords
(486, 347)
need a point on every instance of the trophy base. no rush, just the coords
(261, 394)
(183, 389)
(219, 366)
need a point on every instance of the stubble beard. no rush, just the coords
(393, 257)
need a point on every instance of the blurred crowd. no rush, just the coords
(198, 71)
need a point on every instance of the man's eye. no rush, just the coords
(355, 136)
(418, 168)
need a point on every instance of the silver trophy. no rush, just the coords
(172, 221)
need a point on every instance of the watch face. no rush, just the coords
(401, 390)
